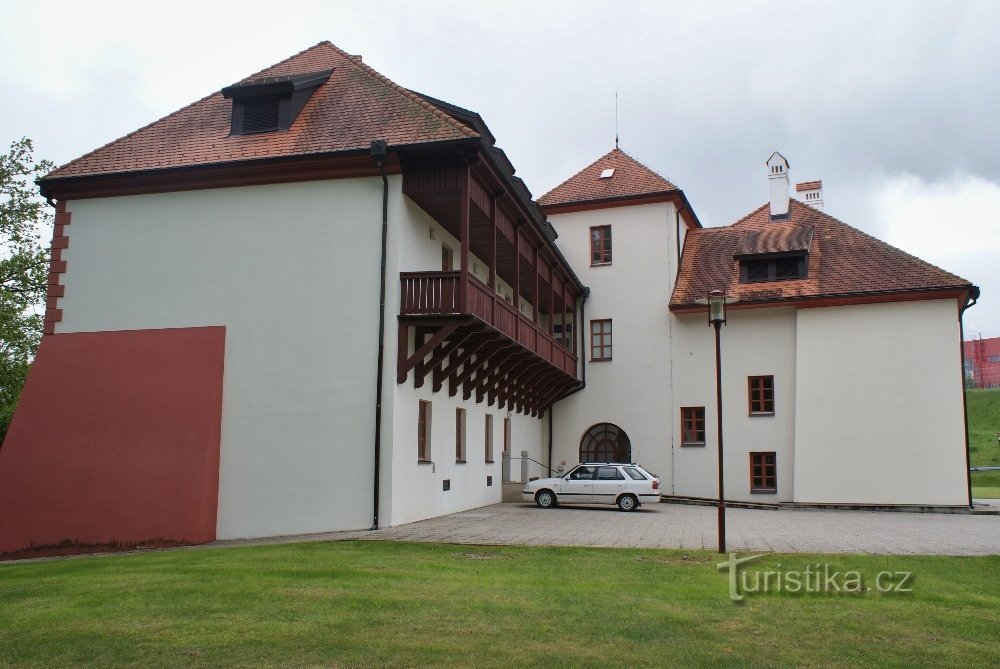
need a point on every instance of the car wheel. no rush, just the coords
(628, 503)
(545, 499)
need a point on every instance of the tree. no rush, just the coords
(24, 263)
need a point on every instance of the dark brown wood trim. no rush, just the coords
(834, 300)
(219, 175)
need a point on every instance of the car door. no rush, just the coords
(576, 486)
(608, 483)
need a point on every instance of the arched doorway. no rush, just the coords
(605, 442)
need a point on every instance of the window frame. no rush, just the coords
(460, 436)
(771, 263)
(762, 400)
(600, 247)
(488, 438)
(765, 476)
(507, 429)
(447, 258)
(605, 349)
(685, 419)
(424, 415)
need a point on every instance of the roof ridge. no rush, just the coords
(54, 173)
(881, 242)
(404, 92)
(643, 165)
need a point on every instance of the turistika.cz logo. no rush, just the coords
(816, 578)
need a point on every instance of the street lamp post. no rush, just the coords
(717, 318)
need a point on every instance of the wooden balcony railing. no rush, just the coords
(440, 293)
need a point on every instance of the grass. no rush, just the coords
(381, 604)
(984, 423)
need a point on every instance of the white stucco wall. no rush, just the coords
(291, 271)
(633, 389)
(757, 342)
(879, 405)
(416, 490)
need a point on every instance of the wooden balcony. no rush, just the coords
(454, 326)
(479, 342)
(440, 294)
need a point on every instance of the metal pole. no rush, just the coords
(718, 411)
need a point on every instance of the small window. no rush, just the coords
(488, 438)
(993, 358)
(506, 435)
(600, 245)
(763, 472)
(447, 257)
(693, 426)
(260, 115)
(635, 474)
(459, 435)
(600, 340)
(607, 174)
(761, 391)
(424, 432)
(609, 474)
(753, 270)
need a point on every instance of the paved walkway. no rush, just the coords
(685, 526)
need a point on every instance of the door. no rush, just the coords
(608, 483)
(577, 485)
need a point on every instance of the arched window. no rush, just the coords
(605, 442)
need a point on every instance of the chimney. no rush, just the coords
(777, 178)
(811, 193)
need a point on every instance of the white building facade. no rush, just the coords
(275, 313)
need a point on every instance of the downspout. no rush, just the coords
(970, 301)
(583, 367)
(380, 151)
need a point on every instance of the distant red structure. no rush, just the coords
(982, 362)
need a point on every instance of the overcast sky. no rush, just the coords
(894, 105)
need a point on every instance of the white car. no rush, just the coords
(626, 485)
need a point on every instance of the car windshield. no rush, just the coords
(582, 474)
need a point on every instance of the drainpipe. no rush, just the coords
(970, 300)
(583, 367)
(380, 151)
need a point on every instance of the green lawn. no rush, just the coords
(984, 423)
(377, 604)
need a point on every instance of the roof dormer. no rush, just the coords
(269, 104)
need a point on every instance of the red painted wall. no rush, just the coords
(115, 440)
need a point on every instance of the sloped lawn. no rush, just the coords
(381, 604)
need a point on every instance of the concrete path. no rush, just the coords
(684, 526)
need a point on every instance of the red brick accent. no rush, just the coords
(57, 267)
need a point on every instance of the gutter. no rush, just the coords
(583, 367)
(380, 151)
(970, 300)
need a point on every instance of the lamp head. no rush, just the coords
(717, 307)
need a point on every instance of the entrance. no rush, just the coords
(605, 442)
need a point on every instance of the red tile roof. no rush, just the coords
(808, 185)
(348, 111)
(631, 179)
(843, 261)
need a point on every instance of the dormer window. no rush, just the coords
(270, 104)
(773, 268)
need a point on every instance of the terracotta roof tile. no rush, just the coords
(808, 185)
(630, 179)
(843, 261)
(348, 111)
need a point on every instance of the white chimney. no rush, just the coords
(777, 178)
(811, 193)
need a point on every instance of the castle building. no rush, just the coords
(315, 300)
